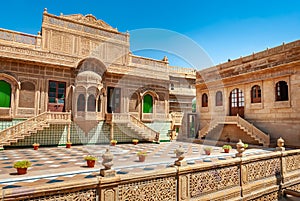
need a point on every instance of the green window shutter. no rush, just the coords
(148, 104)
(5, 93)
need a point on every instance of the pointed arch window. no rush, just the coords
(219, 98)
(148, 104)
(281, 91)
(255, 94)
(91, 103)
(81, 103)
(204, 100)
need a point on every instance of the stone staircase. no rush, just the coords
(133, 127)
(31, 126)
(163, 128)
(241, 123)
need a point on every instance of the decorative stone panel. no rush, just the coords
(82, 195)
(214, 180)
(269, 197)
(295, 187)
(292, 162)
(263, 169)
(162, 189)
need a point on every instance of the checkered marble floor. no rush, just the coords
(59, 164)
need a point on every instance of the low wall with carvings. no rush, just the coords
(256, 177)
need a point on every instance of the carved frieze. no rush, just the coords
(28, 54)
(103, 29)
(17, 37)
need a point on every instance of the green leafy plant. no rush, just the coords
(35, 144)
(226, 146)
(113, 141)
(90, 158)
(22, 164)
(207, 148)
(135, 140)
(245, 146)
(142, 153)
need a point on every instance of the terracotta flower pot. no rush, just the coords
(207, 152)
(135, 143)
(226, 150)
(22, 171)
(35, 147)
(68, 145)
(142, 158)
(113, 144)
(90, 163)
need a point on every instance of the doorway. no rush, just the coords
(192, 125)
(113, 100)
(56, 96)
(237, 102)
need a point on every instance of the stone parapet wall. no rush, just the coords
(270, 58)
(256, 177)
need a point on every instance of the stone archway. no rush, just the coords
(10, 85)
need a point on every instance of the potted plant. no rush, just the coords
(90, 160)
(135, 141)
(142, 155)
(68, 144)
(207, 150)
(35, 146)
(22, 166)
(113, 142)
(226, 148)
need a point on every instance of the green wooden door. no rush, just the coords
(5, 93)
(148, 104)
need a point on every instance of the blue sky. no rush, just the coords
(224, 29)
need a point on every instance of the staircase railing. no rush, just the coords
(28, 125)
(208, 127)
(126, 118)
(154, 134)
(254, 130)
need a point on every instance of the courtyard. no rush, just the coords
(59, 164)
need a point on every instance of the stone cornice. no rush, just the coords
(60, 60)
(39, 56)
(263, 74)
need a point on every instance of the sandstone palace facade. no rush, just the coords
(254, 98)
(78, 81)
